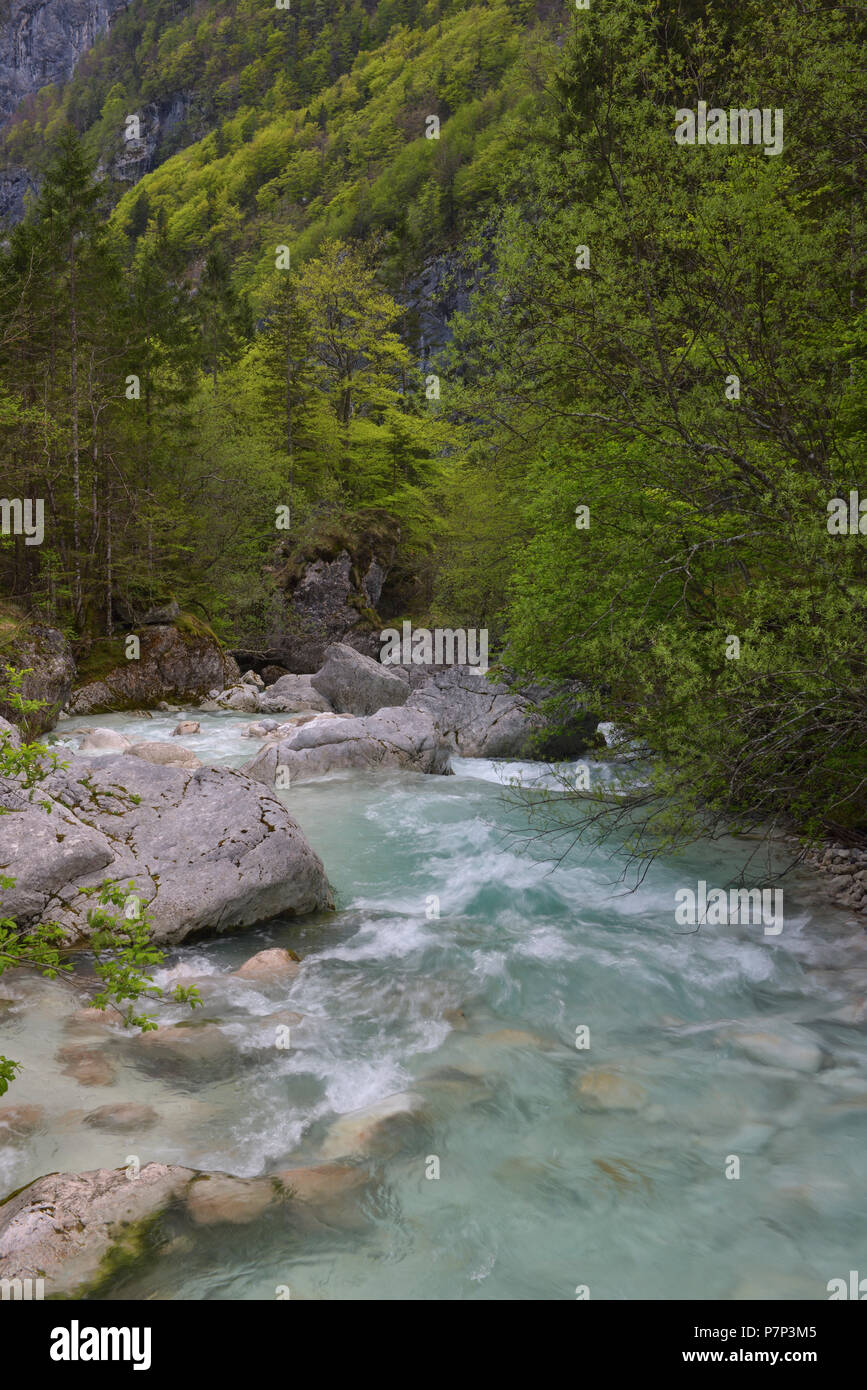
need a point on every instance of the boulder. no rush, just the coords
(163, 753)
(291, 694)
(354, 684)
(125, 1117)
(95, 740)
(74, 1229)
(207, 850)
(45, 853)
(253, 678)
(381, 1130)
(244, 699)
(403, 738)
(218, 1199)
(178, 662)
(189, 1051)
(601, 1088)
(186, 728)
(275, 964)
(477, 717)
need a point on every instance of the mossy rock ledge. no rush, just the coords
(180, 661)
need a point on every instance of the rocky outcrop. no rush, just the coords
(182, 661)
(46, 655)
(331, 585)
(354, 684)
(206, 851)
(41, 42)
(17, 186)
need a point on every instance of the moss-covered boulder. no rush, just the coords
(179, 661)
(331, 581)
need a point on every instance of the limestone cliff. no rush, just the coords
(42, 40)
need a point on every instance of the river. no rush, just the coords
(460, 966)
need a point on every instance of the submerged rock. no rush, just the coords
(86, 1065)
(18, 1122)
(217, 1198)
(793, 1048)
(188, 1051)
(603, 1089)
(208, 850)
(125, 1117)
(381, 1129)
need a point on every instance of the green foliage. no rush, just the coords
(606, 387)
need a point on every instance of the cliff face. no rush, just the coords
(42, 40)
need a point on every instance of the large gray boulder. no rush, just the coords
(292, 695)
(400, 737)
(354, 684)
(243, 699)
(207, 850)
(477, 717)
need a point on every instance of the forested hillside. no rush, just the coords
(450, 260)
